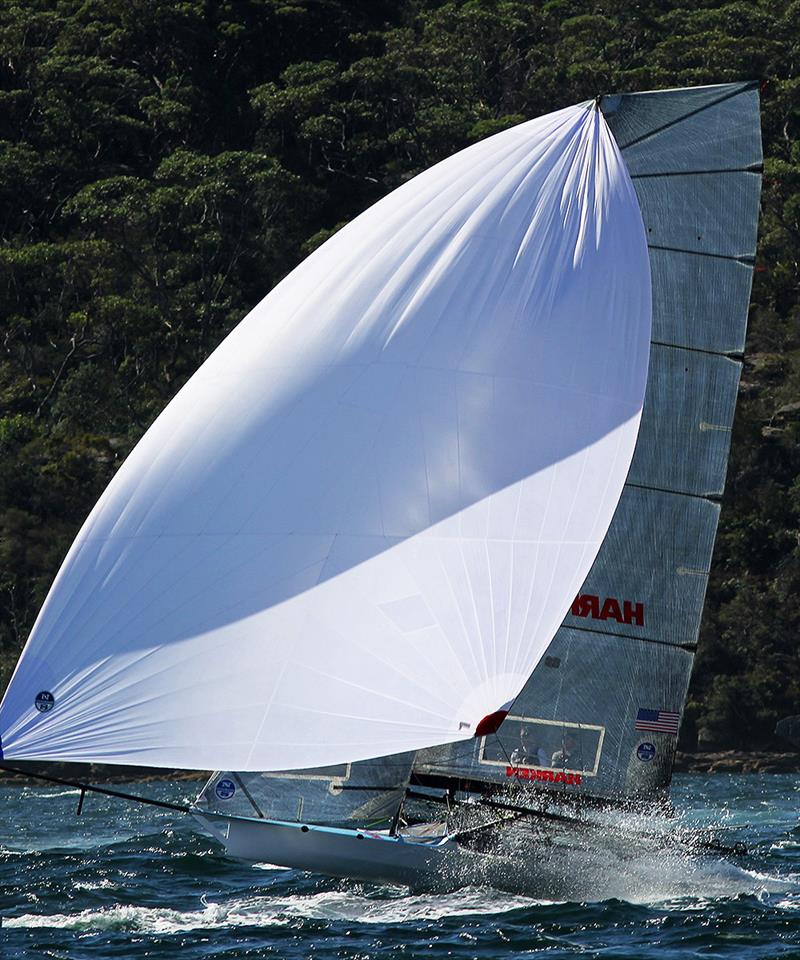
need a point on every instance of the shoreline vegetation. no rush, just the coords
(164, 165)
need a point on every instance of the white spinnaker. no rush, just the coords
(356, 529)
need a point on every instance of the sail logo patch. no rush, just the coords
(646, 751)
(225, 789)
(608, 608)
(44, 701)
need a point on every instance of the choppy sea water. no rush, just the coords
(124, 880)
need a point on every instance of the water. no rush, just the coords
(132, 881)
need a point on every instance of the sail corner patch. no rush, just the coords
(490, 723)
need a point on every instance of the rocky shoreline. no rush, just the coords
(738, 761)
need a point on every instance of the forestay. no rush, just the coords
(357, 527)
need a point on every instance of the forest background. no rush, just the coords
(163, 163)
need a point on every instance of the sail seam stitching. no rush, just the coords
(692, 113)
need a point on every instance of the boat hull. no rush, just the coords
(355, 854)
(528, 864)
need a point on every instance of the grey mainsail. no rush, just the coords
(600, 714)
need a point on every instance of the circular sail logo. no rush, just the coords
(44, 701)
(645, 752)
(225, 789)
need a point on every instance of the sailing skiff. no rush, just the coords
(336, 568)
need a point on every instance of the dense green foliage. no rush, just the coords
(164, 162)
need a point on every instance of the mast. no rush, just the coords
(614, 680)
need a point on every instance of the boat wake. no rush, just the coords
(382, 906)
(655, 878)
(351, 905)
(614, 855)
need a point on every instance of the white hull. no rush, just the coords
(356, 854)
(535, 865)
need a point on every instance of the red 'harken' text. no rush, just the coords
(588, 605)
(550, 776)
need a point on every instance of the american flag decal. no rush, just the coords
(658, 721)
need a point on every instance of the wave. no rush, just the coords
(785, 845)
(50, 795)
(347, 905)
(353, 905)
(92, 885)
(384, 906)
(695, 885)
(132, 919)
(790, 903)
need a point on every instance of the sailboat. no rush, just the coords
(431, 529)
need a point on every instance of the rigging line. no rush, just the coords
(737, 848)
(509, 818)
(500, 743)
(692, 113)
(514, 808)
(505, 754)
(247, 793)
(106, 792)
(592, 801)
